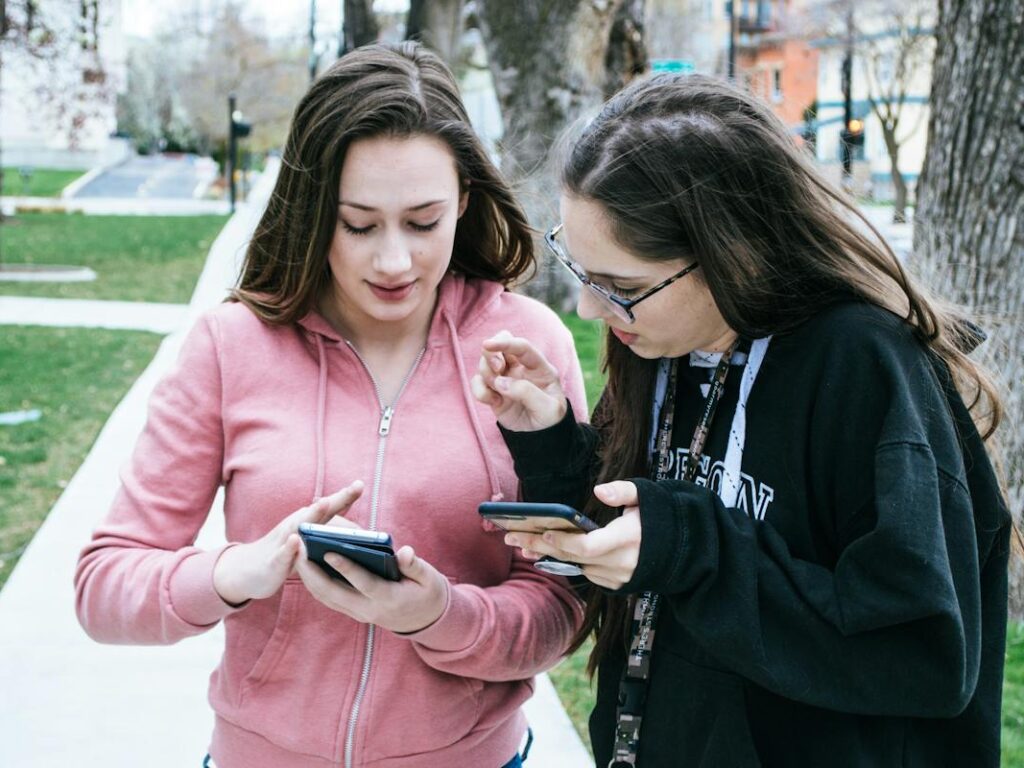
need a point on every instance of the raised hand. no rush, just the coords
(258, 569)
(521, 386)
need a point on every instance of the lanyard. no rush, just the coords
(637, 672)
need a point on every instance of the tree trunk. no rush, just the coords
(899, 184)
(438, 24)
(627, 49)
(968, 243)
(548, 61)
(899, 206)
(360, 25)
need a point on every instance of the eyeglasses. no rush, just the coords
(620, 307)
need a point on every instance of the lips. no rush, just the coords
(625, 338)
(396, 292)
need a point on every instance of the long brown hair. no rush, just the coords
(377, 90)
(691, 167)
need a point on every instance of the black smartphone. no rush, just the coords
(370, 549)
(537, 517)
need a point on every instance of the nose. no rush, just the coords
(589, 307)
(394, 257)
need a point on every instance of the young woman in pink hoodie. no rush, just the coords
(376, 272)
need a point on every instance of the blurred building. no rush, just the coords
(773, 56)
(64, 65)
(688, 35)
(891, 64)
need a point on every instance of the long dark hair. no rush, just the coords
(377, 90)
(691, 167)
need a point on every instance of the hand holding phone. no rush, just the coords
(538, 517)
(370, 549)
(257, 569)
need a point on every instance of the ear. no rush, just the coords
(464, 198)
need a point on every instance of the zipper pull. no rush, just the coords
(385, 421)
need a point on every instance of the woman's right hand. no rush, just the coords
(258, 569)
(521, 386)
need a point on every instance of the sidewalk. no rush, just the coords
(899, 236)
(116, 206)
(79, 313)
(69, 701)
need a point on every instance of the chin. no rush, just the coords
(645, 351)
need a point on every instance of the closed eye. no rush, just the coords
(625, 293)
(356, 230)
(424, 227)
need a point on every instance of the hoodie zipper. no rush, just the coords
(387, 413)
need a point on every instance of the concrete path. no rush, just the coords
(182, 176)
(67, 701)
(119, 315)
(899, 236)
(115, 206)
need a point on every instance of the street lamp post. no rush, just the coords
(232, 145)
(238, 128)
(730, 7)
(846, 151)
(312, 41)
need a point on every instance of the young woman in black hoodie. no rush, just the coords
(809, 564)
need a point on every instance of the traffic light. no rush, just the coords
(853, 134)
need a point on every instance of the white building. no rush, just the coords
(892, 55)
(63, 66)
(692, 32)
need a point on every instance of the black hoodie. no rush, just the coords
(852, 610)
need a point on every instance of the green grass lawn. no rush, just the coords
(136, 258)
(589, 336)
(75, 377)
(1013, 698)
(577, 693)
(44, 182)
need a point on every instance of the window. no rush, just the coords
(777, 84)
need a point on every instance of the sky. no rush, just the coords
(282, 17)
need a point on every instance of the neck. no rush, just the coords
(722, 343)
(366, 333)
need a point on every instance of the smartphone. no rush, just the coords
(370, 549)
(537, 517)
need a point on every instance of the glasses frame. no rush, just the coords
(623, 308)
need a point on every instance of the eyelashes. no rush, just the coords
(413, 225)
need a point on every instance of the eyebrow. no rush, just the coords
(362, 207)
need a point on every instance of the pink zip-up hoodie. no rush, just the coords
(280, 416)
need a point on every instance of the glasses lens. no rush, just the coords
(598, 292)
(606, 301)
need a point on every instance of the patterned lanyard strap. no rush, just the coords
(637, 673)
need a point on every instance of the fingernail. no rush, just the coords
(501, 383)
(512, 541)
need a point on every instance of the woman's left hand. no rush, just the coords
(608, 555)
(414, 602)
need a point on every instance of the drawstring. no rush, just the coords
(731, 479)
(321, 408)
(467, 395)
